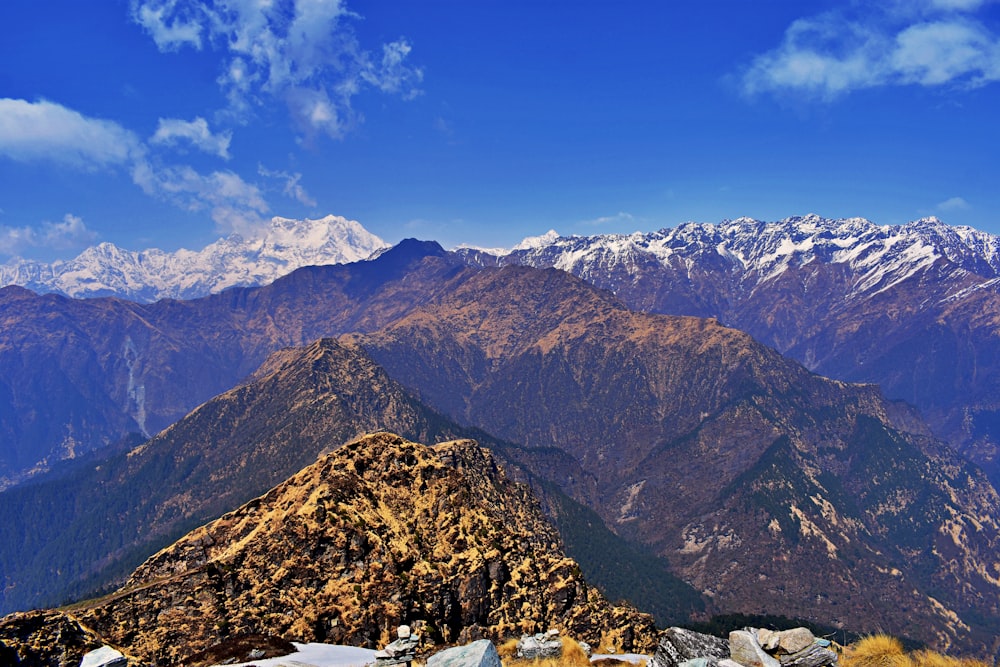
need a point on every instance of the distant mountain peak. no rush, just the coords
(531, 242)
(149, 275)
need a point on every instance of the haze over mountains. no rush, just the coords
(764, 487)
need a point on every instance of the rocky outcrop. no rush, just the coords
(539, 646)
(480, 653)
(46, 639)
(678, 645)
(796, 647)
(378, 533)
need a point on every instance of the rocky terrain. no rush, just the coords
(86, 525)
(380, 532)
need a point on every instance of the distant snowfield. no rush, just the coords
(317, 655)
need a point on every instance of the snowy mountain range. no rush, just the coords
(753, 252)
(913, 308)
(150, 275)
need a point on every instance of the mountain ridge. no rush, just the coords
(913, 308)
(152, 274)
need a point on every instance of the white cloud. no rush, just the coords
(291, 187)
(43, 130)
(953, 204)
(936, 53)
(235, 205)
(170, 25)
(931, 44)
(303, 52)
(619, 218)
(171, 131)
(70, 233)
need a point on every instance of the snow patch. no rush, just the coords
(317, 655)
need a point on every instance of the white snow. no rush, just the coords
(148, 275)
(535, 242)
(317, 655)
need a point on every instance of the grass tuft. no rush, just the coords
(572, 656)
(885, 651)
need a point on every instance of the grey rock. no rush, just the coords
(480, 653)
(400, 651)
(678, 645)
(813, 655)
(104, 657)
(700, 662)
(543, 645)
(746, 650)
(795, 640)
(768, 639)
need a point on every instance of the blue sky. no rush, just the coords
(169, 123)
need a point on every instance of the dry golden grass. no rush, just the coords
(572, 656)
(885, 651)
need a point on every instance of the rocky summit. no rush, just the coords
(378, 533)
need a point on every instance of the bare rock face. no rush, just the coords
(678, 645)
(45, 639)
(379, 533)
(480, 653)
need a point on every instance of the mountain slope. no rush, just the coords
(150, 275)
(913, 308)
(78, 374)
(80, 528)
(715, 452)
(378, 533)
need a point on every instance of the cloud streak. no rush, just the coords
(174, 132)
(302, 52)
(32, 131)
(931, 44)
(70, 233)
(48, 132)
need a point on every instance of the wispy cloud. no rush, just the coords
(303, 52)
(291, 186)
(930, 43)
(619, 218)
(953, 204)
(234, 204)
(173, 132)
(43, 130)
(69, 233)
(46, 131)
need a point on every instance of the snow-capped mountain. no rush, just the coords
(752, 252)
(150, 275)
(914, 308)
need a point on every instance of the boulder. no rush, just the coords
(794, 640)
(678, 645)
(104, 657)
(814, 655)
(768, 639)
(480, 653)
(746, 650)
(542, 645)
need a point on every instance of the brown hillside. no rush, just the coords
(380, 532)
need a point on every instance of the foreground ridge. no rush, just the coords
(380, 532)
